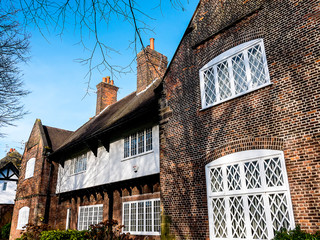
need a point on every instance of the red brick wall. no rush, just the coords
(6, 211)
(150, 65)
(283, 116)
(106, 95)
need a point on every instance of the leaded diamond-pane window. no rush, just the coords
(248, 199)
(237, 71)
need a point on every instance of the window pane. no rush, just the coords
(133, 217)
(273, 172)
(133, 144)
(141, 142)
(252, 173)
(148, 139)
(209, 86)
(219, 218)
(233, 177)
(126, 147)
(156, 216)
(279, 211)
(126, 216)
(224, 80)
(237, 217)
(141, 216)
(148, 216)
(257, 217)
(239, 74)
(89, 215)
(258, 76)
(216, 180)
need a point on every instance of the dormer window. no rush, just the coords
(233, 73)
(30, 168)
(138, 143)
(79, 164)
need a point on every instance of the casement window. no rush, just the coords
(30, 168)
(23, 217)
(248, 195)
(141, 217)
(78, 164)
(89, 215)
(235, 72)
(138, 143)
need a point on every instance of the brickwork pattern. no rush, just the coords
(150, 65)
(282, 116)
(106, 95)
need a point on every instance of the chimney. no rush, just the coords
(150, 65)
(106, 94)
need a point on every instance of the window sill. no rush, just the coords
(142, 233)
(135, 156)
(231, 98)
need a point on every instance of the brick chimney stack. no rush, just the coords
(150, 65)
(106, 94)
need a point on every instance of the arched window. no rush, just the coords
(235, 72)
(248, 195)
(30, 168)
(23, 217)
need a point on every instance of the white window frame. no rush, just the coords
(74, 163)
(23, 217)
(151, 233)
(239, 158)
(30, 168)
(136, 134)
(88, 207)
(242, 48)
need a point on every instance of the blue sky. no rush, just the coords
(58, 83)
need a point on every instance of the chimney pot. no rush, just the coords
(11, 149)
(112, 82)
(152, 43)
(104, 79)
(108, 79)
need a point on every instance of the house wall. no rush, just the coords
(7, 196)
(110, 167)
(282, 116)
(32, 191)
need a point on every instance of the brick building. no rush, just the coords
(235, 135)
(106, 169)
(239, 133)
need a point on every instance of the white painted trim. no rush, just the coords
(227, 56)
(139, 232)
(87, 206)
(239, 158)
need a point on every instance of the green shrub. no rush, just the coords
(296, 234)
(64, 235)
(5, 231)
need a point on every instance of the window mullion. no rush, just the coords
(247, 216)
(216, 83)
(144, 217)
(228, 217)
(233, 89)
(268, 214)
(248, 71)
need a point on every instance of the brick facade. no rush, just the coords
(282, 116)
(150, 65)
(106, 94)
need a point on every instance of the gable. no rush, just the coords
(9, 172)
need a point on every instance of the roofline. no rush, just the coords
(185, 32)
